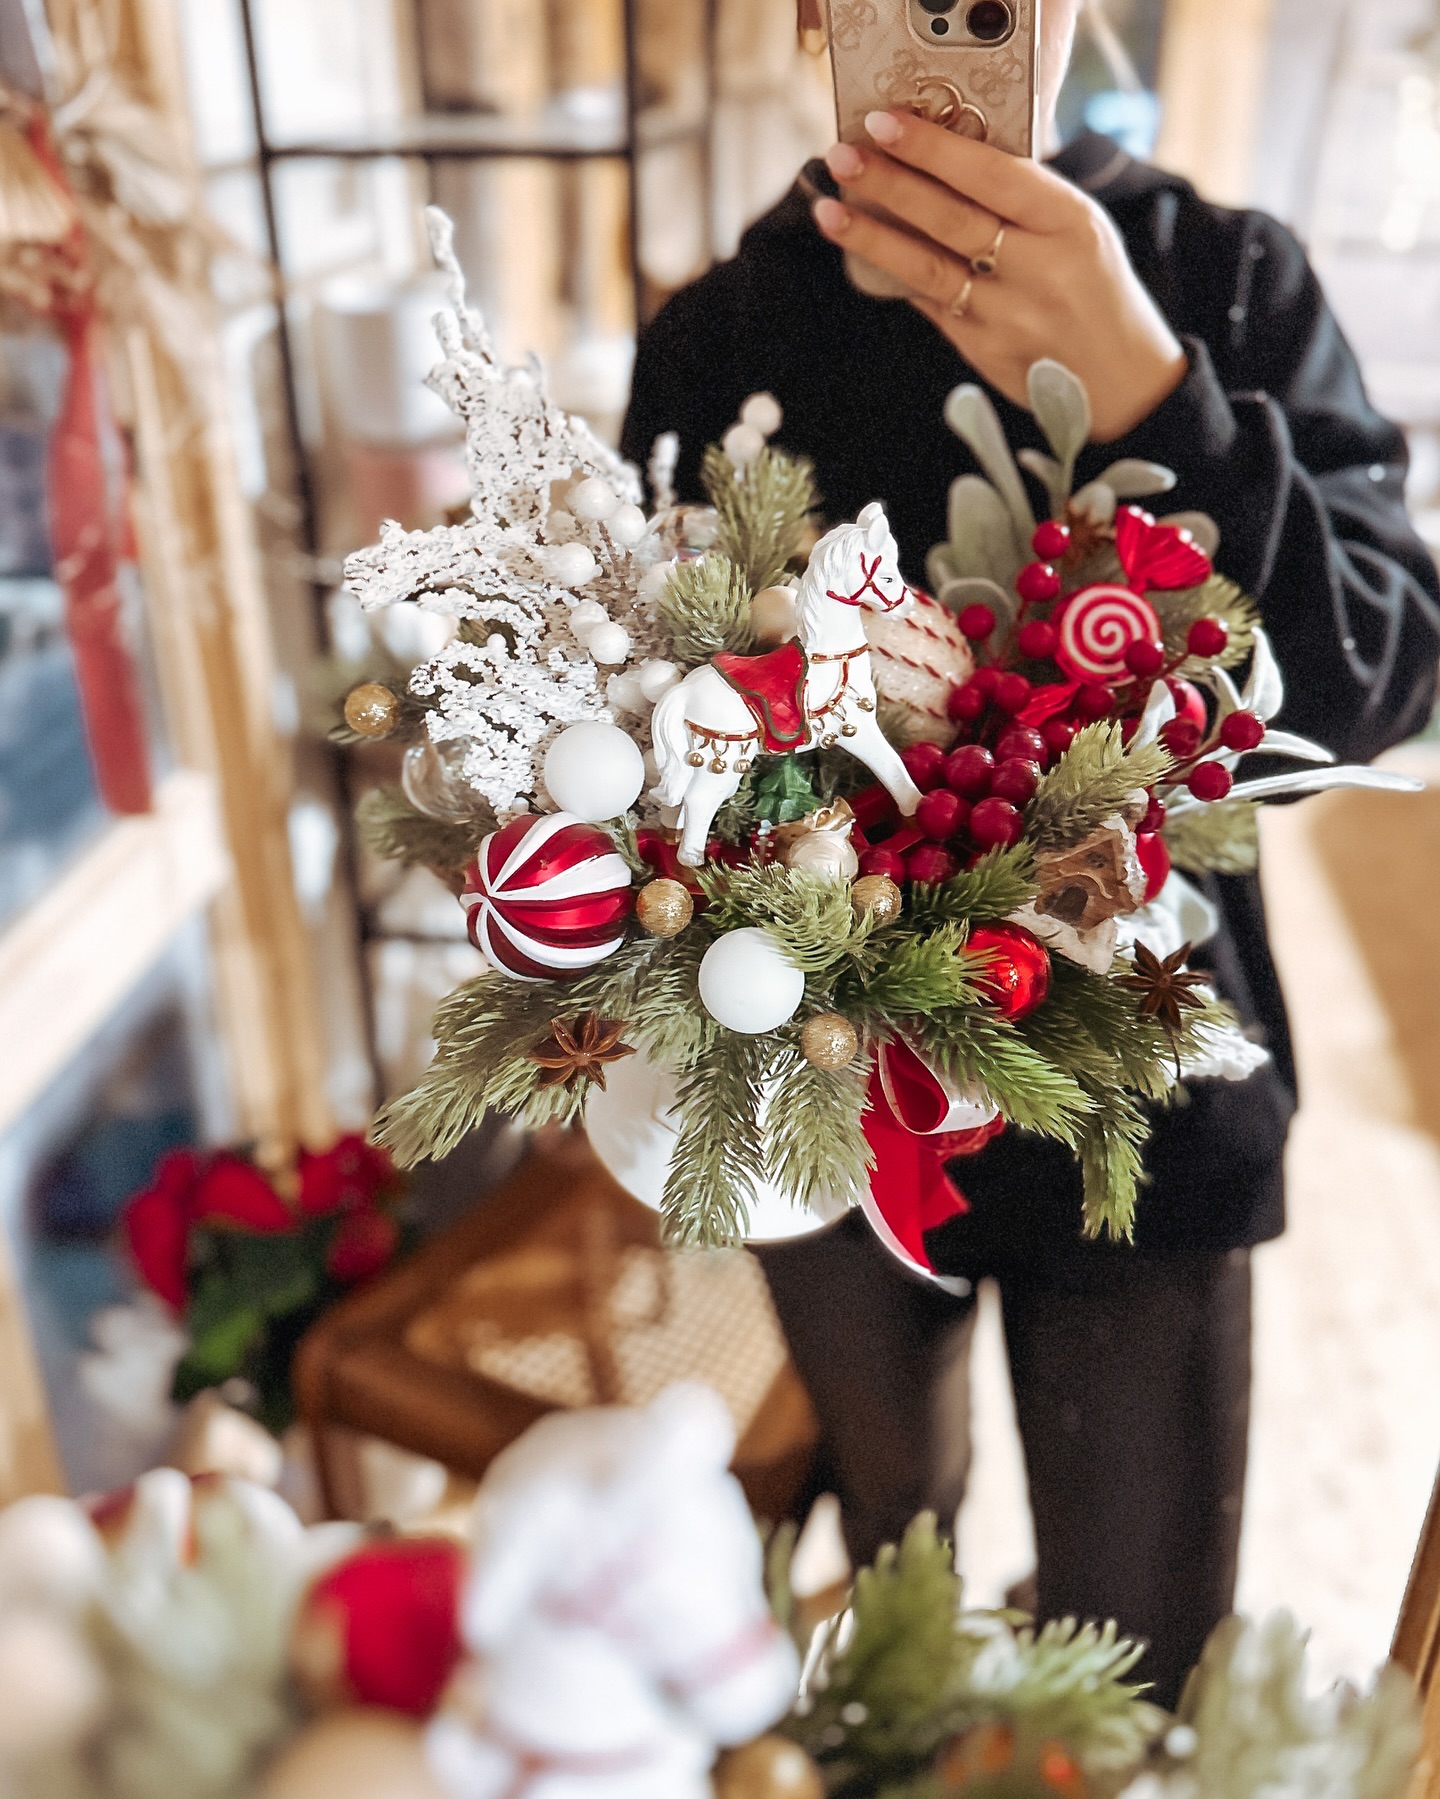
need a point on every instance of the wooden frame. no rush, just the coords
(1213, 59)
(1417, 1646)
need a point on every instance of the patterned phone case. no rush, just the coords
(877, 62)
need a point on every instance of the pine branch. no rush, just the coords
(391, 828)
(1218, 598)
(761, 510)
(1033, 1093)
(706, 608)
(719, 1160)
(1221, 839)
(883, 1695)
(1000, 881)
(894, 976)
(815, 1147)
(1095, 778)
(810, 915)
(1111, 1147)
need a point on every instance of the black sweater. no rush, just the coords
(1270, 433)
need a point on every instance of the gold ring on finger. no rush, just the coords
(960, 305)
(988, 261)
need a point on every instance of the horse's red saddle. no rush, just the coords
(772, 685)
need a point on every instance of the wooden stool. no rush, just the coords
(553, 1291)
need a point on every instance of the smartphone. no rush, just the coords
(970, 65)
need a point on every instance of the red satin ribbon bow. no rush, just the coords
(915, 1122)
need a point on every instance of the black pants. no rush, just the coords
(1132, 1392)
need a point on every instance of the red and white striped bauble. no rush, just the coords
(1097, 626)
(547, 897)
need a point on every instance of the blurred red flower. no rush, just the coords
(350, 1173)
(363, 1244)
(235, 1192)
(156, 1223)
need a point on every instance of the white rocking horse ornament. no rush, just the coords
(812, 693)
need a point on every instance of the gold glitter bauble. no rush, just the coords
(772, 615)
(371, 710)
(828, 1041)
(664, 908)
(877, 894)
(768, 1768)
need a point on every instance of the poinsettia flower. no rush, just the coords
(156, 1226)
(350, 1173)
(233, 1191)
(362, 1246)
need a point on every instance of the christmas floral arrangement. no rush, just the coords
(852, 876)
(248, 1261)
(609, 1626)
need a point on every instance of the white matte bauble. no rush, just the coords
(654, 581)
(627, 525)
(592, 499)
(623, 693)
(585, 616)
(657, 677)
(762, 413)
(742, 444)
(748, 983)
(594, 771)
(609, 643)
(569, 564)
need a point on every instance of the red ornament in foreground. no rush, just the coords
(547, 897)
(1018, 975)
(383, 1626)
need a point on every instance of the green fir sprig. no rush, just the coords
(761, 510)
(392, 829)
(1216, 598)
(705, 606)
(1097, 777)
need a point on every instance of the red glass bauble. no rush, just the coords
(1154, 859)
(547, 897)
(1017, 977)
(885, 862)
(1020, 741)
(966, 703)
(1016, 780)
(1011, 692)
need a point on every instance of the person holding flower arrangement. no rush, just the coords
(1207, 348)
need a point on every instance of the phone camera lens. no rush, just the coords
(934, 6)
(989, 21)
(939, 27)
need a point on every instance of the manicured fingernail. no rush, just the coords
(831, 216)
(884, 127)
(844, 162)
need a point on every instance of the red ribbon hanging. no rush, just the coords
(910, 1123)
(90, 535)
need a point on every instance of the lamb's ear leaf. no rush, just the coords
(1049, 473)
(1133, 479)
(983, 541)
(1062, 409)
(973, 419)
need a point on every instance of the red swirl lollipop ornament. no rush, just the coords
(1097, 626)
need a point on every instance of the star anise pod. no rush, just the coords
(579, 1048)
(1167, 990)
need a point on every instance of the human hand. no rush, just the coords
(1062, 284)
